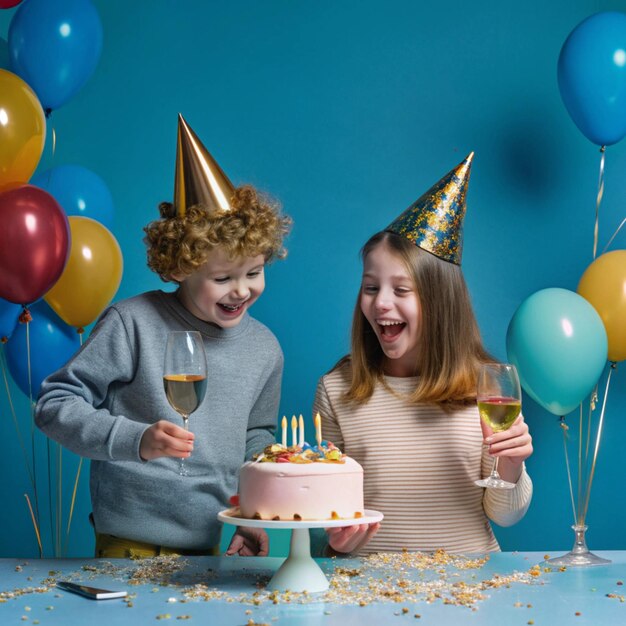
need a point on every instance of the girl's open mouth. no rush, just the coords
(390, 330)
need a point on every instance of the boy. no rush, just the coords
(108, 402)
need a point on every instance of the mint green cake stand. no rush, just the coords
(299, 571)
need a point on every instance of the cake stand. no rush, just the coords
(299, 572)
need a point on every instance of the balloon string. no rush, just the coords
(14, 415)
(614, 235)
(592, 407)
(580, 464)
(59, 517)
(54, 143)
(27, 317)
(71, 513)
(599, 200)
(35, 526)
(50, 508)
(597, 445)
(565, 428)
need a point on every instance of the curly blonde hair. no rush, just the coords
(180, 245)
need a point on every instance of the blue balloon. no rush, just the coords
(4, 54)
(558, 343)
(592, 77)
(52, 344)
(9, 313)
(55, 45)
(79, 191)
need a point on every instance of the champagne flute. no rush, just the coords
(184, 375)
(499, 398)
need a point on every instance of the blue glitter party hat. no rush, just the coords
(434, 222)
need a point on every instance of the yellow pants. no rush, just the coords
(110, 547)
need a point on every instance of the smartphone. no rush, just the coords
(90, 592)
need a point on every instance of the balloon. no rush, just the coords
(4, 54)
(592, 77)
(558, 343)
(34, 243)
(92, 275)
(52, 344)
(604, 285)
(7, 4)
(9, 313)
(79, 191)
(55, 47)
(22, 130)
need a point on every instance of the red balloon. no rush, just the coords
(7, 4)
(34, 243)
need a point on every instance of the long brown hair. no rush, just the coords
(451, 346)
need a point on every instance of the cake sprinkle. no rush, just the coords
(326, 452)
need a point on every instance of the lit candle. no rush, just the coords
(284, 425)
(318, 429)
(294, 431)
(301, 430)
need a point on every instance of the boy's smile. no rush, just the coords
(223, 289)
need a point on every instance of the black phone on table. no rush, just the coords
(90, 592)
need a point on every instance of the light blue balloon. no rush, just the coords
(9, 313)
(592, 77)
(52, 344)
(55, 45)
(79, 191)
(558, 343)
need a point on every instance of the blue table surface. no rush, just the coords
(593, 595)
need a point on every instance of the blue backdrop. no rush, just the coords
(347, 112)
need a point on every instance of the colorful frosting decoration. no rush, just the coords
(326, 452)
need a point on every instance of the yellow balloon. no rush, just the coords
(22, 130)
(604, 285)
(92, 274)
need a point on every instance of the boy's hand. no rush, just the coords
(351, 538)
(166, 439)
(249, 542)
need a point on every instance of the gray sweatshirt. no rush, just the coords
(102, 401)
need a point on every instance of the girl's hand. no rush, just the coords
(249, 542)
(351, 538)
(512, 446)
(166, 439)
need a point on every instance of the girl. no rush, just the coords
(403, 403)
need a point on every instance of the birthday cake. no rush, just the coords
(301, 482)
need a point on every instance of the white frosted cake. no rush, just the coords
(301, 483)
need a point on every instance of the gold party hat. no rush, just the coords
(199, 179)
(434, 222)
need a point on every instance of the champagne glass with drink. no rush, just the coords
(499, 398)
(184, 375)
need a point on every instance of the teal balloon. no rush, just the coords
(558, 343)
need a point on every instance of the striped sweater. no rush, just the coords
(420, 464)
